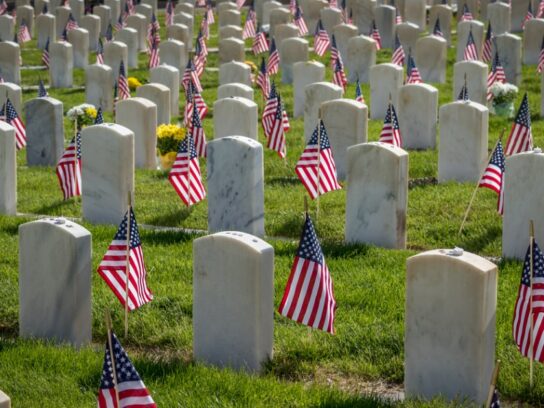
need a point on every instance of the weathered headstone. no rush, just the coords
(139, 23)
(519, 12)
(145, 10)
(7, 27)
(315, 94)
(509, 47)
(305, 73)
(235, 116)
(385, 23)
(79, 38)
(45, 28)
(283, 31)
(361, 56)
(61, 65)
(532, 40)
(174, 53)
(418, 115)
(342, 34)
(115, 7)
(500, 17)
(160, 96)
(114, 53)
(107, 174)
(104, 13)
(230, 31)
(331, 17)
(169, 77)
(44, 131)
(408, 34)
(231, 49)
(99, 83)
(14, 93)
(237, 329)
(78, 8)
(415, 13)
(91, 23)
(235, 89)
(235, 72)
(449, 344)
(8, 170)
(363, 13)
(178, 32)
(377, 197)
(444, 14)
(385, 82)
(476, 78)
(10, 55)
(463, 30)
(291, 50)
(279, 16)
(184, 8)
(129, 37)
(431, 58)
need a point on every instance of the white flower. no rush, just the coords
(77, 111)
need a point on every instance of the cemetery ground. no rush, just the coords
(309, 368)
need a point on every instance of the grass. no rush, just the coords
(309, 368)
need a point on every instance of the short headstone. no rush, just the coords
(346, 122)
(14, 93)
(189, 21)
(385, 82)
(174, 53)
(408, 34)
(129, 37)
(444, 14)
(139, 23)
(431, 58)
(292, 50)
(415, 12)
(509, 47)
(10, 55)
(25, 13)
(331, 17)
(114, 53)
(79, 38)
(305, 73)
(160, 96)
(115, 7)
(107, 174)
(363, 14)
(284, 31)
(361, 56)
(315, 95)
(235, 116)
(99, 83)
(235, 89)
(463, 30)
(44, 131)
(61, 65)
(230, 31)
(462, 154)
(377, 197)
(237, 329)
(62, 13)
(91, 23)
(8, 170)
(230, 17)
(7, 27)
(523, 197)
(235, 72)
(342, 34)
(235, 185)
(104, 13)
(417, 112)
(279, 16)
(449, 344)
(169, 77)
(476, 78)
(385, 23)
(231, 49)
(55, 293)
(500, 17)
(532, 40)
(140, 116)
(45, 28)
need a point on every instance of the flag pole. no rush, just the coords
(127, 272)
(478, 184)
(318, 161)
(75, 160)
(531, 263)
(107, 317)
(492, 385)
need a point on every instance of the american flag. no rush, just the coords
(470, 54)
(463, 95)
(335, 54)
(130, 387)
(113, 267)
(190, 75)
(269, 111)
(339, 76)
(496, 75)
(250, 24)
(487, 50)
(529, 15)
(154, 59)
(205, 27)
(109, 33)
(185, 175)
(375, 35)
(263, 80)
(64, 35)
(273, 63)
(45, 54)
(194, 98)
(122, 83)
(100, 52)
(467, 15)
(120, 23)
(521, 139)
(197, 131)
(42, 93)
(13, 119)
(153, 31)
(99, 117)
(349, 17)
(529, 306)
(391, 130)
(69, 169)
(358, 93)
(300, 23)
(436, 30)
(496, 399)
(260, 43)
(23, 35)
(201, 40)
(541, 58)
(199, 59)
(308, 296)
(494, 174)
(412, 73)
(280, 125)
(293, 6)
(3, 7)
(169, 14)
(316, 165)
(398, 53)
(240, 3)
(71, 24)
(321, 39)
(540, 13)
(209, 13)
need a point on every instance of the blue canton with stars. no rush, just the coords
(134, 233)
(272, 94)
(498, 157)
(123, 366)
(99, 117)
(538, 265)
(524, 117)
(323, 137)
(309, 247)
(279, 109)
(196, 119)
(188, 145)
(11, 113)
(391, 117)
(263, 66)
(358, 93)
(411, 65)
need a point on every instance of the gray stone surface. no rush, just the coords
(107, 174)
(311, 10)
(279, 16)
(25, 13)
(237, 329)
(230, 31)
(160, 96)
(174, 53)
(129, 37)
(444, 14)
(361, 56)
(476, 77)
(235, 185)
(417, 112)
(114, 53)
(235, 72)
(235, 116)
(342, 34)
(78, 8)
(363, 13)
(91, 23)
(15, 95)
(5, 401)
(115, 7)
(44, 131)
(316, 94)
(234, 89)
(184, 8)
(231, 49)
(99, 83)
(45, 28)
(7, 27)
(449, 344)
(229, 17)
(519, 11)
(500, 17)
(62, 13)
(385, 82)
(305, 73)
(415, 13)
(408, 35)
(139, 23)
(283, 31)
(431, 58)
(268, 7)
(331, 17)
(179, 32)
(509, 46)
(10, 55)
(61, 65)
(478, 33)
(79, 38)
(169, 77)
(145, 10)
(8, 170)
(385, 22)
(292, 50)
(55, 293)
(104, 12)
(189, 21)
(532, 40)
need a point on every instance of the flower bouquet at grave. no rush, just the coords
(504, 96)
(133, 83)
(168, 140)
(82, 115)
(253, 68)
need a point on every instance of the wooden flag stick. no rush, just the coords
(531, 263)
(492, 385)
(75, 161)
(305, 205)
(478, 184)
(318, 162)
(112, 356)
(127, 272)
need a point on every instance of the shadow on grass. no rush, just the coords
(354, 401)
(55, 206)
(478, 242)
(282, 181)
(170, 218)
(158, 237)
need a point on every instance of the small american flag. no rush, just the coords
(467, 15)
(69, 169)
(316, 165)
(375, 35)
(470, 54)
(240, 3)
(185, 175)
(496, 75)
(494, 174)
(412, 73)
(113, 267)
(308, 298)
(250, 24)
(64, 35)
(529, 15)
(398, 53)
(487, 50)
(530, 298)
(201, 40)
(339, 76)
(154, 59)
(496, 399)
(463, 95)
(131, 389)
(42, 93)
(194, 99)
(109, 33)
(45, 54)
(436, 30)
(169, 14)
(153, 36)
(300, 23)
(197, 131)
(540, 13)
(276, 136)
(99, 117)
(541, 58)
(3, 7)
(199, 59)
(122, 82)
(100, 52)
(13, 119)
(71, 24)
(23, 35)
(209, 13)
(190, 75)
(273, 64)
(205, 27)
(263, 80)
(260, 43)
(358, 93)
(321, 39)
(269, 111)
(521, 139)
(391, 130)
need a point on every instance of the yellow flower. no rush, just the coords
(133, 83)
(251, 65)
(91, 112)
(169, 137)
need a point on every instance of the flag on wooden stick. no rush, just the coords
(185, 175)
(494, 175)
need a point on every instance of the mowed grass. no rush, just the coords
(309, 368)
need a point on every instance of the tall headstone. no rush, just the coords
(463, 30)
(55, 293)
(449, 343)
(235, 185)
(230, 31)
(291, 50)
(107, 174)
(342, 34)
(473, 7)
(25, 13)
(519, 12)
(269, 7)
(415, 12)
(114, 53)
(431, 58)
(316, 94)
(230, 17)
(363, 13)
(7, 27)
(179, 32)
(184, 8)
(385, 82)
(188, 21)
(444, 14)
(44, 131)
(279, 16)
(115, 7)
(532, 40)
(78, 8)
(14, 93)
(377, 197)
(169, 77)
(160, 96)
(139, 23)
(331, 17)
(418, 115)
(500, 17)
(8, 170)
(235, 89)
(91, 23)
(235, 72)
(145, 10)
(10, 55)
(237, 329)
(99, 83)
(385, 23)
(62, 13)
(79, 38)
(45, 28)
(129, 37)
(475, 73)
(235, 116)
(305, 73)
(61, 65)
(174, 53)
(311, 10)
(231, 49)
(361, 56)
(104, 13)
(509, 47)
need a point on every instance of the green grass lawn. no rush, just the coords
(309, 368)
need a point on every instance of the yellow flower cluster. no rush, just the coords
(173, 131)
(251, 65)
(133, 83)
(91, 112)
